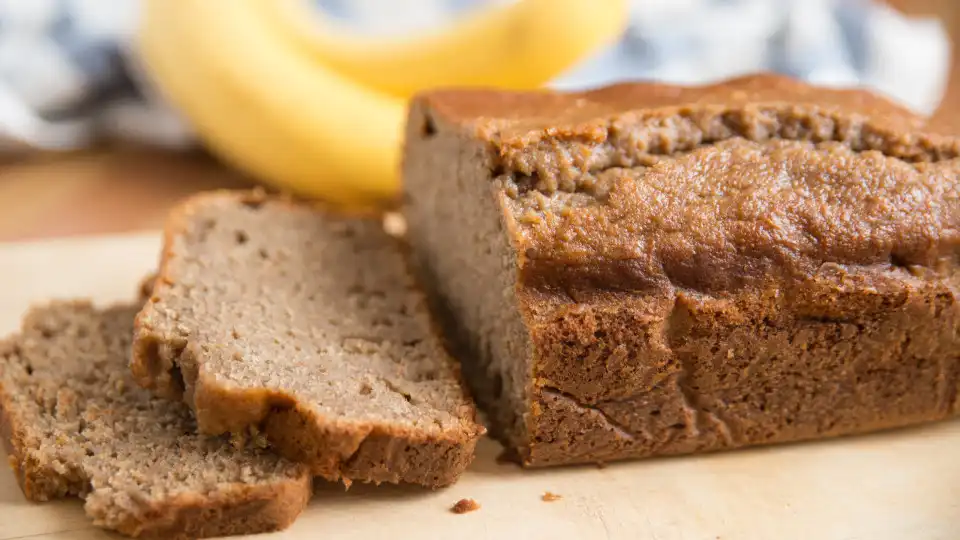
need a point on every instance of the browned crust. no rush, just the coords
(234, 509)
(533, 135)
(525, 130)
(546, 135)
(464, 506)
(237, 510)
(332, 449)
(367, 454)
(12, 442)
(38, 483)
(521, 117)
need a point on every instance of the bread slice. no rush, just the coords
(75, 423)
(273, 317)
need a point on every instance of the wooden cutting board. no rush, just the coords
(902, 485)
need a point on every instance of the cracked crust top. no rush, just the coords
(306, 331)
(513, 119)
(709, 188)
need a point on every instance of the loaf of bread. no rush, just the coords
(75, 423)
(646, 269)
(271, 317)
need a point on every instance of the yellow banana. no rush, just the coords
(519, 46)
(273, 113)
(269, 106)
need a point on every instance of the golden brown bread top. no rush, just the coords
(710, 188)
(515, 117)
(741, 212)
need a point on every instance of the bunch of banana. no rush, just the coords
(277, 91)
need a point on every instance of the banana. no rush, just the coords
(273, 108)
(267, 110)
(518, 46)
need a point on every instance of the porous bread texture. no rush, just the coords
(307, 327)
(75, 424)
(648, 269)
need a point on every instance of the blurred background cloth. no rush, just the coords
(69, 75)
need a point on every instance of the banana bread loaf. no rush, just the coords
(74, 423)
(647, 269)
(274, 317)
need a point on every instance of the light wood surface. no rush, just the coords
(895, 486)
(108, 190)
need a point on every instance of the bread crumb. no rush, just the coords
(601, 465)
(465, 505)
(550, 497)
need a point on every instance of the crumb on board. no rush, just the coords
(465, 505)
(550, 497)
(601, 465)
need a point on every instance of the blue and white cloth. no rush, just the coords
(69, 76)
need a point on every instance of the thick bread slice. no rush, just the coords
(274, 317)
(75, 423)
